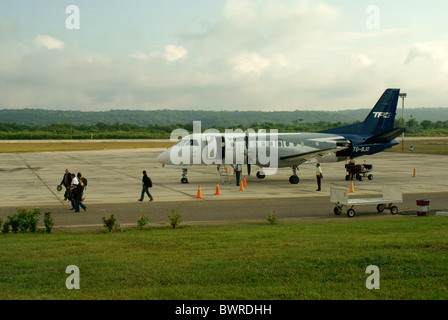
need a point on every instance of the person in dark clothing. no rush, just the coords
(146, 184)
(80, 191)
(319, 176)
(66, 182)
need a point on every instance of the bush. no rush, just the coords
(109, 223)
(272, 218)
(24, 220)
(28, 219)
(6, 227)
(142, 221)
(174, 216)
(48, 221)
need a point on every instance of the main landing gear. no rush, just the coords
(294, 179)
(184, 176)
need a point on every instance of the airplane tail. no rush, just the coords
(380, 119)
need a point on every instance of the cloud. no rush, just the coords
(428, 51)
(173, 53)
(251, 63)
(48, 42)
(170, 53)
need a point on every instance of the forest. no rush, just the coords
(101, 130)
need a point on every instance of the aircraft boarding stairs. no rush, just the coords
(224, 173)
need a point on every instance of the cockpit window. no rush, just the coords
(194, 143)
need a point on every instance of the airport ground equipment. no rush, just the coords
(224, 173)
(360, 171)
(391, 196)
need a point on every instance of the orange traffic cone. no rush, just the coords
(244, 183)
(415, 174)
(227, 169)
(199, 196)
(217, 189)
(241, 186)
(352, 188)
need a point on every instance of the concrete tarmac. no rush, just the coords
(114, 185)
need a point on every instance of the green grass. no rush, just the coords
(323, 259)
(430, 146)
(73, 146)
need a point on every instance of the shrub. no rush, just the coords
(174, 216)
(109, 223)
(6, 227)
(48, 221)
(272, 218)
(142, 221)
(27, 219)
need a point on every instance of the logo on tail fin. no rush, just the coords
(385, 115)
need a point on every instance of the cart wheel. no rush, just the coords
(337, 211)
(380, 208)
(347, 177)
(370, 176)
(350, 213)
(393, 210)
(360, 177)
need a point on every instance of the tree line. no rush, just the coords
(101, 130)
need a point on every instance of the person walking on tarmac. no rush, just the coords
(146, 184)
(319, 176)
(66, 181)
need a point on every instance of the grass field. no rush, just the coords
(73, 146)
(324, 259)
(429, 146)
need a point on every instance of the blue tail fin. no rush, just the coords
(379, 120)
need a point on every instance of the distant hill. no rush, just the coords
(43, 117)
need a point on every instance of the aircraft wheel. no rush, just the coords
(394, 210)
(337, 211)
(380, 208)
(184, 180)
(350, 213)
(260, 176)
(294, 179)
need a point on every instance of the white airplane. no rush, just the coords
(273, 150)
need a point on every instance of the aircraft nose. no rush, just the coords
(164, 157)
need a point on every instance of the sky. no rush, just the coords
(267, 55)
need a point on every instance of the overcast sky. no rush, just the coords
(221, 54)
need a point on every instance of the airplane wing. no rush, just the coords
(306, 156)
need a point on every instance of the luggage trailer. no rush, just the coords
(391, 195)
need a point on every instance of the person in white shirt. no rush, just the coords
(238, 169)
(74, 193)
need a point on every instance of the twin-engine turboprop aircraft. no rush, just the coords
(273, 150)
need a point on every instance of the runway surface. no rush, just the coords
(114, 185)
